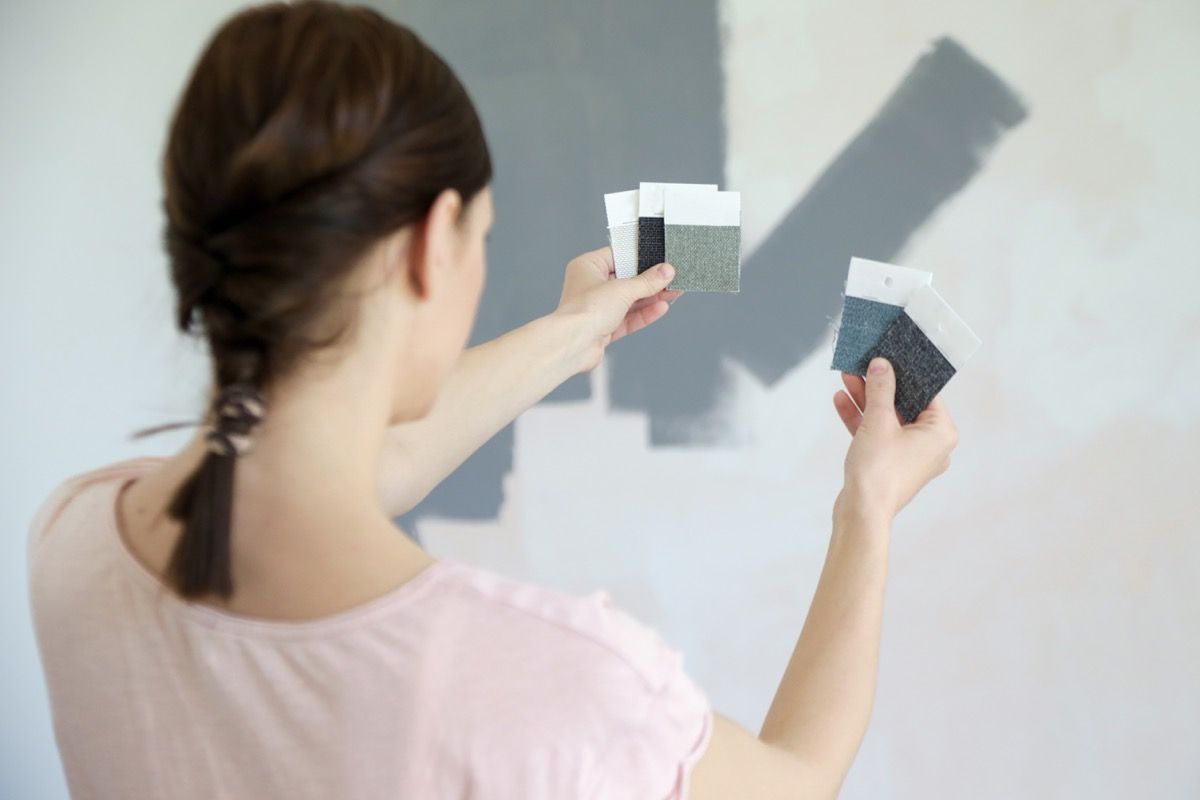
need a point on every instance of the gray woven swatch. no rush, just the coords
(707, 258)
(863, 323)
(650, 243)
(921, 369)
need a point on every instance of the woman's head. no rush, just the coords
(325, 171)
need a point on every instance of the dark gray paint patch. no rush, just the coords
(578, 98)
(582, 98)
(926, 142)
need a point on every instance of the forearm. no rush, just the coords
(823, 704)
(490, 384)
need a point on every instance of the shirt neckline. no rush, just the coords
(215, 618)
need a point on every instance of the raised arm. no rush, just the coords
(495, 381)
(819, 716)
(490, 385)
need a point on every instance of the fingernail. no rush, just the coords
(666, 270)
(878, 366)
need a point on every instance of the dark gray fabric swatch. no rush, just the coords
(863, 323)
(651, 248)
(921, 369)
(706, 257)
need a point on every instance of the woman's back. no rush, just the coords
(459, 683)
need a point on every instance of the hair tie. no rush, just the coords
(237, 408)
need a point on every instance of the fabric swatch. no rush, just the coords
(706, 257)
(622, 211)
(921, 369)
(863, 325)
(875, 294)
(926, 345)
(624, 241)
(702, 233)
(651, 244)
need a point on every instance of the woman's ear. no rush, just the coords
(435, 242)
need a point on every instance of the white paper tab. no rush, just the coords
(622, 207)
(885, 283)
(650, 195)
(690, 206)
(945, 329)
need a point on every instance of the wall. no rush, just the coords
(1037, 157)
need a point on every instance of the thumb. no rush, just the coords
(650, 282)
(881, 390)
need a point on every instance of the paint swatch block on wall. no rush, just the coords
(702, 239)
(874, 296)
(622, 210)
(926, 345)
(651, 242)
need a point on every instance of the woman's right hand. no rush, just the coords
(888, 462)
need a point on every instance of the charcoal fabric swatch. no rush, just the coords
(927, 345)
(651, 245)
(920, 368)
(705, 257)
(651, 199)
(863, 324)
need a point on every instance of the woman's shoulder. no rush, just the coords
(574, 675)
(68, 488)
(589, 624)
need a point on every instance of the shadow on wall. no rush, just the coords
(580, 98)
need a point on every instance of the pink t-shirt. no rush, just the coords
(461, 683)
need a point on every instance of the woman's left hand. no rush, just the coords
(609, 307)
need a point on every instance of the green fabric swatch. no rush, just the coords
(707, 258)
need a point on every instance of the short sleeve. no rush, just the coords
(656, 740)
(47, 511)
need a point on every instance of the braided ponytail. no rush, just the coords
(201, 561)
(280, 174)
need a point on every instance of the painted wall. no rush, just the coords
(1039, 158)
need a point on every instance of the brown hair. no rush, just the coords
(306, 133)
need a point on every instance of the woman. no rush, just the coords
(243, 619)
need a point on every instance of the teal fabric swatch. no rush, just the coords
(863, 324)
